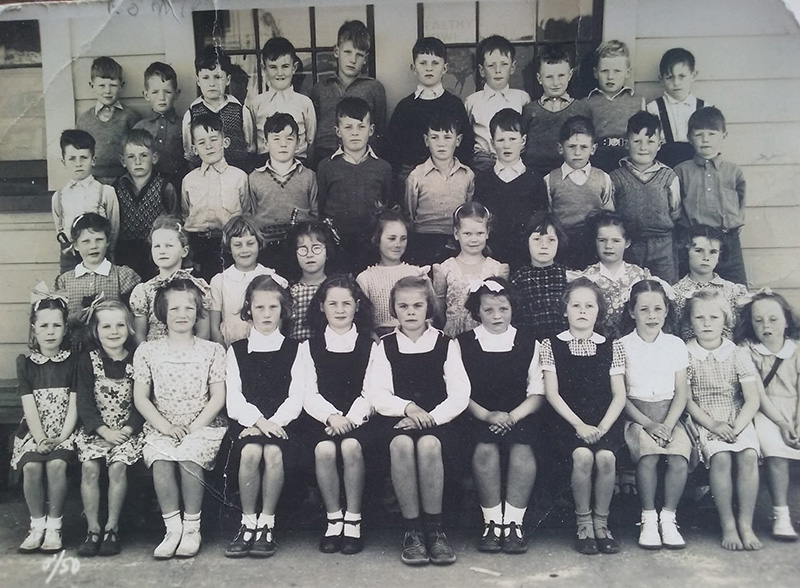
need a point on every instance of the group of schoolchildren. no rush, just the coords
(560, 343)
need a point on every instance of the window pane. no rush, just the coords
(460, 76)
(291, 23)
(304, 78)
(244, 82)
(565, 21)
(22, 123)
(230, 29)
(326, 64)
(452, 22)
(329, 19)
(516, 21)
(20, 42)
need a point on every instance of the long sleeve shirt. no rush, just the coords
(712, 193)
(290, 102)
(86, 195)
(212, 194)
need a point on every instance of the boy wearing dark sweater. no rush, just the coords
(511, 191)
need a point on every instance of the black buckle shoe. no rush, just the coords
(515, 541)
(111, 544)
(90, 546)
(263, 546)
(352, 545)
(439, 549)
(491, 542)
(242, 544)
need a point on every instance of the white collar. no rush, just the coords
(690, 100)
(84, 183)
(98, 106)
(237, 275)
(340, 151)
(225, 101)
(635, 338)
(785, 352)
(429, 93)
(334, 339)
(39, 358)
(626, 162)
(507, 338)
(428, 166)
(565, 97)
(219, 166)
(489, 93)
(430, 333)
(599, 91)
(596, 338)
(104, 269)
(257, 341)
(567, 170)
(268, 165)
(517, 167)
(721, 353)
(272, 93)
(605, 272)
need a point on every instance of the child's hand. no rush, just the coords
(421, 417)
(724, 431)
(177, 432)
(588, 433)
(659, 432)
(45, 446)
(249, 432)
(501, 419)
(339, 425)
(498, 430)
(271, 429)
(788, 435)
(113, 436)
(407, 424)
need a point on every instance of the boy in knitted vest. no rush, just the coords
(648, 195)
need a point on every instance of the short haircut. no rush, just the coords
(277, 47)
(613, 48)
(78, 139)
(576, 125)
(429, 46)
(508, 120)
(543, 220)
(210, 121)
(628, 323)
(170, 223)
(357, 33)
(140, 138)
(494, 43)
(473, 302)
(279, 121)
(105, 67)
(583, 282)
(94, 338)
(706, 232)
(422, 283)
(442, 120)
(352, 107)
(390, 215)
(316, 317)
(673, 57)
(210, 57)
(707, 295)
(160, 70)
(554, 54)
(707, 118)
(644, 121)
(242, 225)
(89, 221)
(744, 326)
(598, 219)
(160, 304)
(59, 304)
(265, 283)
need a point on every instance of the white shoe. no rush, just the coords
(782, 529)
(190, 541)
(52, 541)
(33, 542)
(670, 535)
(166, 549)
(648, 533)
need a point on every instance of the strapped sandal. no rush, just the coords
(331, 543)
(352, 545)
(91, 545)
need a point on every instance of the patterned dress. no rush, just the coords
(301, 295)
(109, 397)
(541, 290)
(616, 289)
(180, 379)
(144, 295)
(50, 380)
(686, 287)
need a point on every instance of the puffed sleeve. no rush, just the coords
(216, 372)
(139, 304)
(141, 366)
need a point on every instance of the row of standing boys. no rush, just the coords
(523, 180)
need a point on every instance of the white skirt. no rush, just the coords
(769, 436)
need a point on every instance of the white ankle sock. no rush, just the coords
(52, 523)
(172, 520)
(352, 530)
(334, 528)
(494, 515)
(38, 524)
(779, 512)
(265, 520)
(512, 514)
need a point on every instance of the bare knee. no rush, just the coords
(273, 456)
(117, 472)
(351, 450)
(605, 462)
(485, 454)
(677, 464)
(90, 471)
(33, 470)
(582, 461)
(401, 447)
(429, 448)
(720, 462)
(747, 459)
(56, 468)
(250, 458)
(325, 451)
(521, 458)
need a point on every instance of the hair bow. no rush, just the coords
(280, 280)
(748, 298)
(41, 292)
(667, 288)
(88, 312)
(182, 274)
(490, 285)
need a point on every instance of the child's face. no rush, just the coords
(139, 161)
(582, 309)
(279, 72)
(471, 235)
(649, 312)
(350, 61)
(707, 143)
(340, 309)
(508, 145)
(678, 83)
(769, 322)
(642, 149)
(112, 330)
(392, 245)
(212, 83)
(354, 133)
(611, 73)
(106, 90)
(244, 251)
(577, 150)
(282, 146)
(707, 320)
(429, 69)
(209, 145)
(411, 309)
(266, 310)
(442, 144)
(495, 313)
(78, 162)
(311, 254)
(92, 247)
(554, 78)
(181, 311)
(497, 69)
(160, 94)
(48, 330)
(543, 247)
(166, 249)
(703, 256)
(611, 244)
